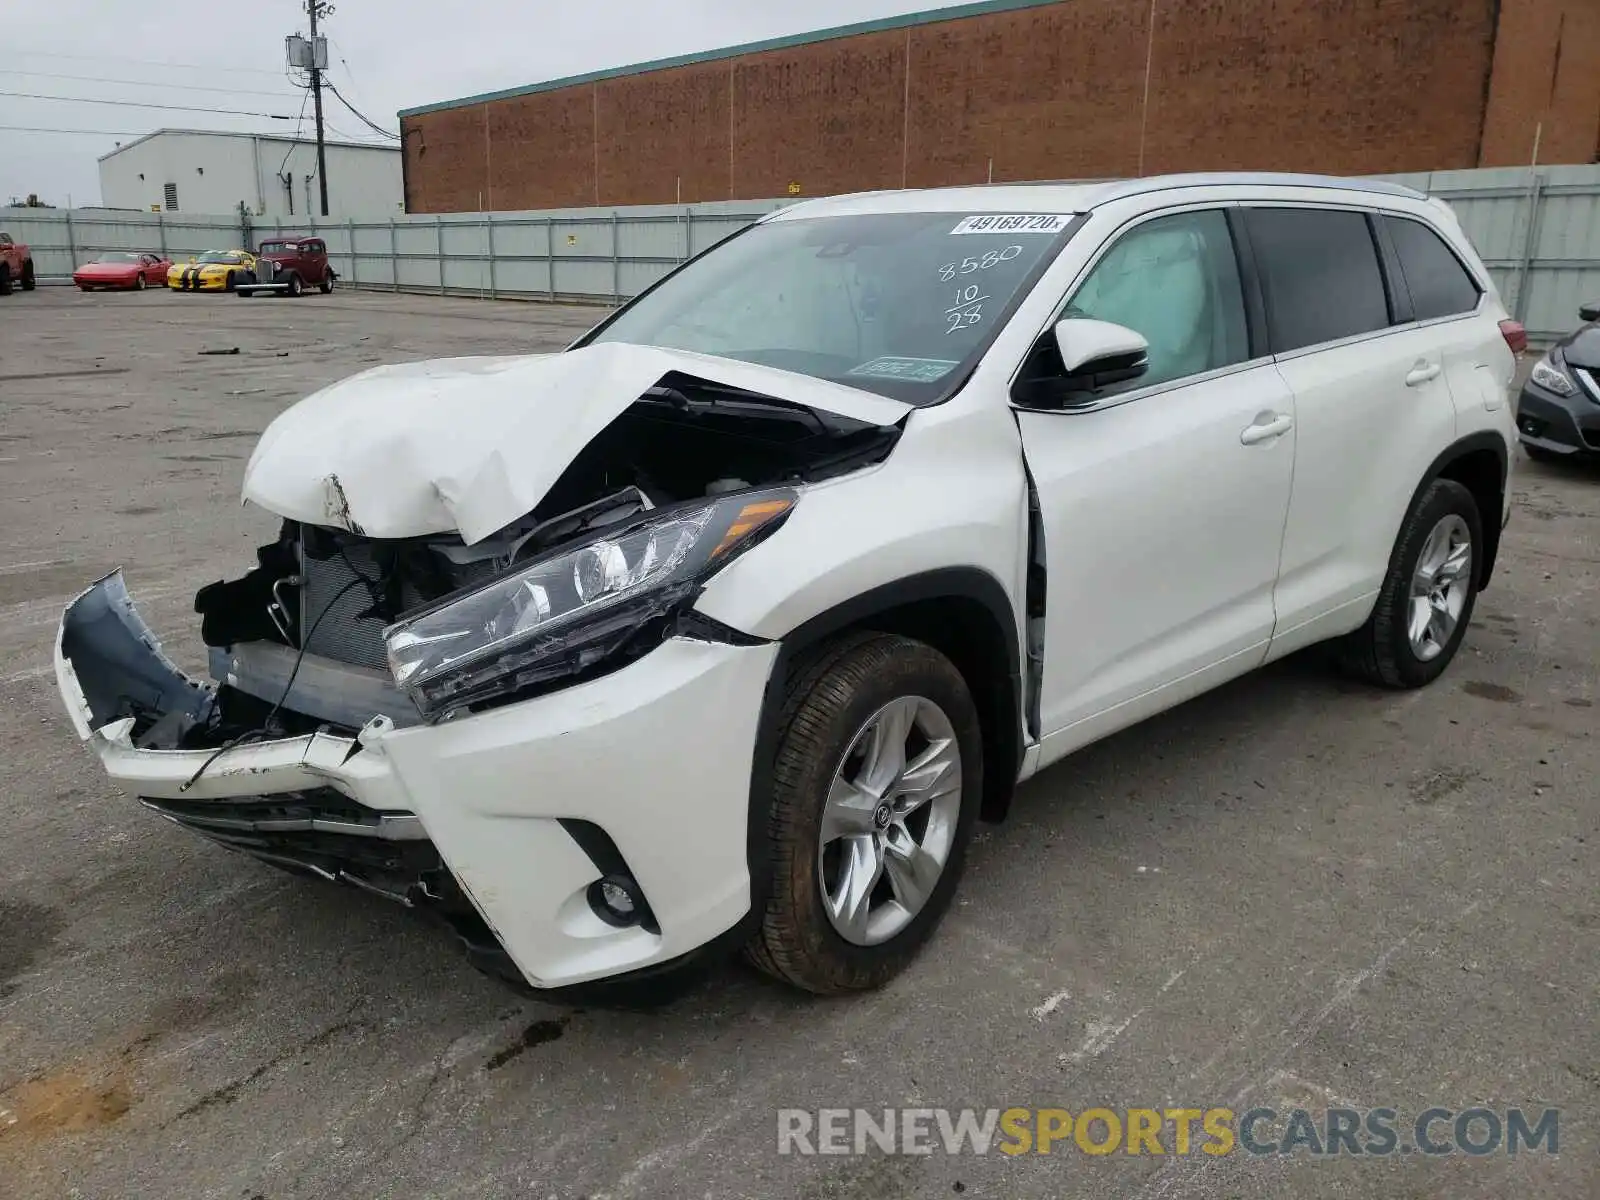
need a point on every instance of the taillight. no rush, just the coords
(1515, 335)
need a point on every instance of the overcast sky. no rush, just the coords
(386, 55)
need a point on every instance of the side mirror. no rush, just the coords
(1590, 311)
(1094, 355)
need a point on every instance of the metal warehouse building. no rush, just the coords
(203, 171)
(1035, 89)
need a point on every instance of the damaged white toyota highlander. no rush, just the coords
(720, 629)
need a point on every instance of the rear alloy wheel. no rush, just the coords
(875, 787)
(1426, 600)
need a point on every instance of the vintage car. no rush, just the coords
(288, 266)
(122, 269)
(213, 271)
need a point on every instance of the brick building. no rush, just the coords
(1036, 89)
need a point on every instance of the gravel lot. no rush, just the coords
(1295, 891)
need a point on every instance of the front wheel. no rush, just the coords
(875, 786)
(228, 283)
(138, 283)
(295, 287)
(1426, 600)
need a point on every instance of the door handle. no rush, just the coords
(1423, 372)
(1266, 427)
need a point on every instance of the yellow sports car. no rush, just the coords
(213, 271)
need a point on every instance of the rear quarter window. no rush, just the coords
(1441, 286)
(1319, 272)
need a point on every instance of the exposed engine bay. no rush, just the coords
(297, 644)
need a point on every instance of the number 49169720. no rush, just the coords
(982, 262)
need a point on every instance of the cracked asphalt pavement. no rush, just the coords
(1296, 891)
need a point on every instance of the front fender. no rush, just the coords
(952, 494)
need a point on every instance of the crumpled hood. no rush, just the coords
(472, 444)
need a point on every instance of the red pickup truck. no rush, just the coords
(16, 265)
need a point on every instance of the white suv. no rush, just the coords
(720, 628)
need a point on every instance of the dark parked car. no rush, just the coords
(291, 265)
(1558, 415)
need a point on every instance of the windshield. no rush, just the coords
(219, 256)
(902, 304)
(118, 258)
(278, 247)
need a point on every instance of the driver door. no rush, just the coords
(1163, 500)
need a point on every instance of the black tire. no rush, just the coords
(1380, 652)
(293, 286)
(5, 279)
(830, 697)
(227, 284)
(139, 283)
(28, 281)
(326, 285)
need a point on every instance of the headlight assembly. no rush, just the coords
(572, 609)
(1552, 378)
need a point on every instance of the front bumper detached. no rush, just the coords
(468, 818)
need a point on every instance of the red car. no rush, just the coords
(122, 269)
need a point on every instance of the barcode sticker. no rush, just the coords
(1014, 223)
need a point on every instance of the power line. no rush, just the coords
(370, 124)
(185, 87)
(231, 112)
(143, 62)
(44, 129)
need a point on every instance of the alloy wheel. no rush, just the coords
(1439, 587)
(889, 822)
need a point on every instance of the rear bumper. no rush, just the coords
(472, 810)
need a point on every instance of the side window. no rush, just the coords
(1319, 275)
(1176, 281)
(1440, 285)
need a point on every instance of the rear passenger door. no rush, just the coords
(1372, 408)
(1441, 294)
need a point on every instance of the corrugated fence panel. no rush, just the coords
(1538, 231)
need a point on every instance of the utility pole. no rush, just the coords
(315, 9)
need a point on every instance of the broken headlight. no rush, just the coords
(572, 609)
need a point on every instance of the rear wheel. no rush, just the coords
(876, 784)
(1426, 600)
(28, 282)
(326, 285)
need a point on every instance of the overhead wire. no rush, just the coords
(183, 87)
(25, 54)
(364, 119)
(232, 112)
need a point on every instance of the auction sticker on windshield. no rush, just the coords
(920, 370)
(1014, 223)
